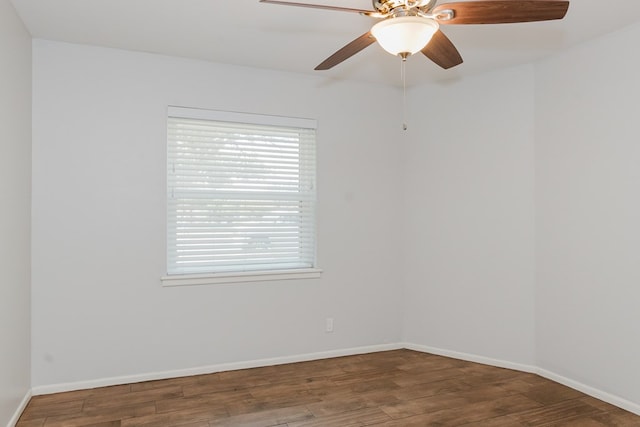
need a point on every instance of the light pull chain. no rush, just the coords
(403, 72)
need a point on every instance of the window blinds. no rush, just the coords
(241, 193)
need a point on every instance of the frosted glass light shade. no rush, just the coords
(405, 34)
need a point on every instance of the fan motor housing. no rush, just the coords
(386, 6)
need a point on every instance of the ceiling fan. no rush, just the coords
(411, 26)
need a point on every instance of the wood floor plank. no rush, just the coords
(80, 394)
(431, 388)
(196, 424)
(580, 422)
(127, 399)
(173, 419)
(562, 412)
(340, 404)
(550, 393)
(32, 423)
(101, 415)
(51, 409)
(364, 417)
(108, 424)
(209, 400)
(399, 388)
(502, 421)
(274, 417)
(423, 405)
(428, 376)
(117, 412)
(180, 381)
(462, 413)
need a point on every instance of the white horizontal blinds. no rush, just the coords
(241, 196)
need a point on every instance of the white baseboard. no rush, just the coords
(151, 376)
(103, 382)
(472, 358)
(23, 404)
(591, 391)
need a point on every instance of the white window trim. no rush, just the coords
(229, 116)
(178, 280)
(239, 277)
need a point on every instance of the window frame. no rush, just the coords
(182, 279)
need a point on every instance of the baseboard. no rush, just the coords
(23, 404)
(151, 376)
(104, 382)
(472, 358)
(591, 391)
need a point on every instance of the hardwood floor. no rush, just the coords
(399, 388)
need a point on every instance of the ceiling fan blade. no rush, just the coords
(318, 6)
(348, 51)
(441, 51)
(502, 11)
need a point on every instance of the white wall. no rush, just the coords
(518, 218)
(469, 217)
(588, 214)
(99, 219)
(15, 215)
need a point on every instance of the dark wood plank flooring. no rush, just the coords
(399, 388)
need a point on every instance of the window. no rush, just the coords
(241, 196)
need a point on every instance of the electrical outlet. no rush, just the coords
(329, 324)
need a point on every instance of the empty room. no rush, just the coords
(327, 213)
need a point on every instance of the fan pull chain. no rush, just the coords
(403, 72)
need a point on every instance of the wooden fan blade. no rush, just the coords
(318, 6)
(441, 51)
(348, 51)
(502, 11)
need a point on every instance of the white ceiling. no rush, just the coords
(246, 32)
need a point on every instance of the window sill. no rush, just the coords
(238, 277)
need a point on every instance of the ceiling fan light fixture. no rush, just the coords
(404, 34)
